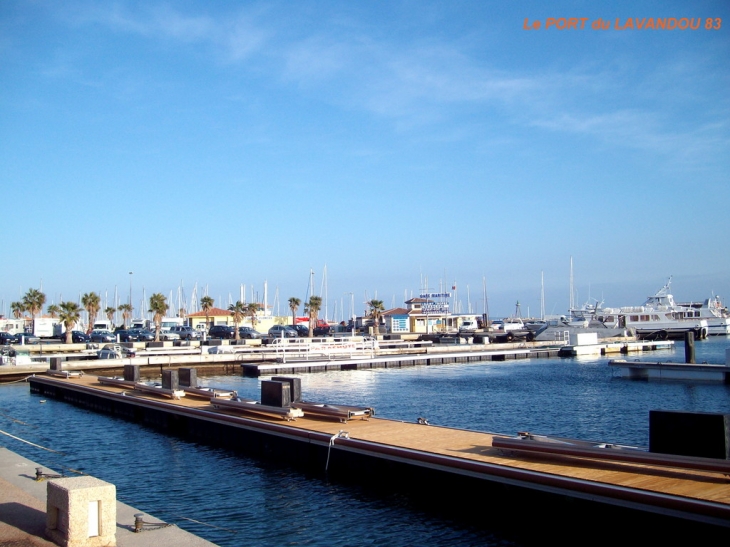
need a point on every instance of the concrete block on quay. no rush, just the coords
(81, 512)
(24, 512)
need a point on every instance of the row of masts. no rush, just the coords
(181, 305)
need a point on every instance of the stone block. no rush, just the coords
(188, 377)
(295, 387)
(131, 373)
(275, 394)
(170, 379)
(81, 512)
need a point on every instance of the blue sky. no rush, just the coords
(228, 143)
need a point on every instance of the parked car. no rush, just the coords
(126, 335)
(102, 336)
(285, 331)
(115, 351)
(27, 338)
(302, 330)
(186, 333)
(142, 335)
(77, 337)
(7, 339)
(249, 333)
(222, 331)
(322, 330)
(168, 335)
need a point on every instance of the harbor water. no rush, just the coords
(231, 500)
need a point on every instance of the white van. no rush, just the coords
(468, 325)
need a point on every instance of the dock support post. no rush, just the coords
(689, 347)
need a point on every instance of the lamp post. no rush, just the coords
(352, 310)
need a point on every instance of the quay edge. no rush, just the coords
(513, 499)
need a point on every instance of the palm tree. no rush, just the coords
(126, 310)
(18, 308)
(205, 304)
(109, 311)
(53, 310)
(376, 312)
(69, 315)
(92, 304)
(238, 310)
(251, 310)
(294, 306)
(158, 306)
(33, 302)
(312, 308)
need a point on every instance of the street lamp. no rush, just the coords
(352, 310)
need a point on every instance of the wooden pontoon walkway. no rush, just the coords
(674, 489)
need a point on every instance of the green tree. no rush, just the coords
(53, 310)
(238, 311)
(33, 302)
(159, 307)
(109, 311)
(18, 309)
(312, 308)
(69, 316)
(376, 313)
(92, 304)
(294, 306)
(126, 310)
(251, 310)
(206, 303)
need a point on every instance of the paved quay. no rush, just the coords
(23, 512)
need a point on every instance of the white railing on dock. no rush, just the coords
(298, 349)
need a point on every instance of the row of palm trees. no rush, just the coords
(312, 307)
(69, 312)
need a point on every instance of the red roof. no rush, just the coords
(396, 311)
(212, 312)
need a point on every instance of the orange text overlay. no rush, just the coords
(630, 23)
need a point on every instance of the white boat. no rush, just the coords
(559, 329)
(717, 316)
(660, 317)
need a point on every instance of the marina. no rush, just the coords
(307, 355)
(572, 397)
(690, 491)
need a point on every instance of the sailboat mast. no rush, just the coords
(571, 301)
(542, 296)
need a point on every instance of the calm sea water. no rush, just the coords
(237, 500)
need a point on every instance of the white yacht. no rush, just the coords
(717, 316)
(660, 317)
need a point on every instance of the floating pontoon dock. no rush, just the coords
(448, 466)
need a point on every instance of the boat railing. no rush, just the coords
(323, 348)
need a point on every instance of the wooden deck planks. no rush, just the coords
(477, 446)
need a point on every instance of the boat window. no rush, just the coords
(634, 318)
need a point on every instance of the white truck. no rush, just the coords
(46, 327)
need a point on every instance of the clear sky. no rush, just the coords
(228, 143)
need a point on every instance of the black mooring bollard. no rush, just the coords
(689, 347)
